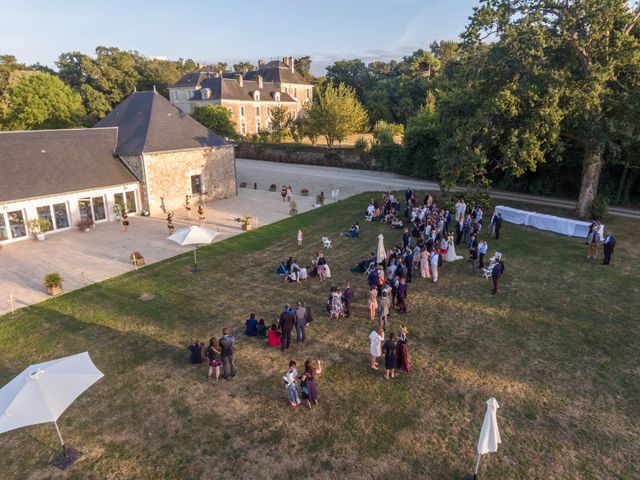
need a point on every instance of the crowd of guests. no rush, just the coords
(218, 353)
(291, 271)
(396, 352)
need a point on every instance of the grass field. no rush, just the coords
(558, 348)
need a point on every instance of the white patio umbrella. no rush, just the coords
(381, 253)
(43, 391)
(489, 435)
(194, 235)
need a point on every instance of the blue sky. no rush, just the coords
(224, 30)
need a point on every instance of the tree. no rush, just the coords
(95, 104)
(337, 113)
(421, 141)
(302, 65)
(42, 101)
(220, 67)
(352, 73)
(242, 66)
(217, 119)
(552, 77)
(279, 117)
(161, 74)
(385, 132)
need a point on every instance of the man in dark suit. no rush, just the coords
(285, 324)
(459, 231)
(496, 273)
(609, 245)
(497, 225)
(347, 298)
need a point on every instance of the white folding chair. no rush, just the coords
(368, 218)
(326, 242)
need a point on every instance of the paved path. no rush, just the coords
(350, 182)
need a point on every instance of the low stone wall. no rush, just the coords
(348, 157)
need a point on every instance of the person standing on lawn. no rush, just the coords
(385, 307)
(347, 299)
(496, 273)
(214, 359)
(290, 380)
(403, 360)
(609, 245)
(497, 225)
(299, 237)
(226, 346)
(390, 352)
(434, 259)
(301, 322)
(376, 338)
(373, 303)
(483, 247)
(285, 325)
(401, 295)
(308, 382)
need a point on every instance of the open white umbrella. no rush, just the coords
(194, 235)
(43, 391)
(381, 254)
(489, 435)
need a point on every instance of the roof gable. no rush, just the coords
(147, 122)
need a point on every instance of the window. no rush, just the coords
(16, 224)
(268, 111)
(258, 126)
(308, 94)
(243, 129)
(118, 199)
(242, 111)
(295, 93)
(277, 96)
(84, 207)
(131, 201)
(196, 184)
(60, 215)
(257, 111)
(256, 96)
(286, 89)
(44, 213)
(99, 211)
(230, 111)
(4, 232)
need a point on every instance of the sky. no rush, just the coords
(230, 31)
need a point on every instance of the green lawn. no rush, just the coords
(558, 348)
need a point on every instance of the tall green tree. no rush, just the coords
(242, 66)
(337, 113)
(217, 119)
(42, 101)
(280, 118)
(551, 78)
(302, 65)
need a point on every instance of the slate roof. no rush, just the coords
(193, 79)
(38, 163)
(230, 89)
(277, 72)
(147, 122)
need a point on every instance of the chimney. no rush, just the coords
(239, 79)
(291, 65)
(285, 60)
(259, 80)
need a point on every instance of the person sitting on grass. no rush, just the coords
(250, 325)
(261, 329)
(273, 337)
(294, 272)
(282, 269)
(396, 223)
(196, 350)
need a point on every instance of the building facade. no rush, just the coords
(249, 96)
(146, 155)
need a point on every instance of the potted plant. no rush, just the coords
(137, 258)
(53, 282)
(272, 187)
(293, 207)
(117, 209)
(320, 198)
(243, 184)
(246, 221)
(304, 192)
(38, 227)
(85, 224)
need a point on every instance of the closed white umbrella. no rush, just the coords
(43, 391)
(489, 435)
(381, 254)
(194, 235)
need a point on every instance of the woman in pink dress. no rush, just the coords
(424, 264)
(373, 303)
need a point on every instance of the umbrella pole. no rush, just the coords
(475, 473)
(195, 258)
(64, 448)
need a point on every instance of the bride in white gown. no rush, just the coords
(451, 256)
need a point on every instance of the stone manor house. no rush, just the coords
(249, 96)
(145, 155)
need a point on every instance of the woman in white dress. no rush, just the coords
(376, 337)
(451, 251)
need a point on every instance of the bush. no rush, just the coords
(272, 187)
(243, 185)
(361, 144)
(53, 280)
(304, 192)
(293, 207)
(600, 208)
(390, 157)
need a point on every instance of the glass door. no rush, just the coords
(84, 206)
(99, 210)
(131, 202)
(61, 215)
(4, 231)
(45, 217)
(16, 224)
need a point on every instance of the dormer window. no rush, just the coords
(256, 96)
(277, 96)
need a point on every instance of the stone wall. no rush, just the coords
(348, 157)
(168, 177)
